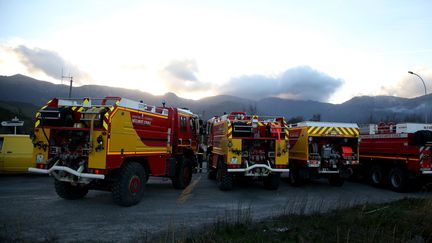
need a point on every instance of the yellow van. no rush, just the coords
(16, 152)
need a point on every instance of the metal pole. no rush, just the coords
(70, 88)
(424, 85)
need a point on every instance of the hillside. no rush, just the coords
(23, 111)
(18, 89)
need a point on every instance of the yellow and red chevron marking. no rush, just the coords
(229, 132)
(107, 116)
(286, 132)
(333, 131)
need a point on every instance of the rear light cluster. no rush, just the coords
(233, 166)
(98, 171)
(313, 163)
(351, 162)
(281, 166)
(40, 166)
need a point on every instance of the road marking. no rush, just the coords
(184, 196)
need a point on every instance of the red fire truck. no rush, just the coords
(113, 144)
(397, 155)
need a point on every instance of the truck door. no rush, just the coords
(185, 135)
(1, 154)
(194, 128)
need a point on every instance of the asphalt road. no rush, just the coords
(31, 210)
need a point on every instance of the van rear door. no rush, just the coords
(17, 153)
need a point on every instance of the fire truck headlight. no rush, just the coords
(234, 160)
(230, 144)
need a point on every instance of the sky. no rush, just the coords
(327, 51)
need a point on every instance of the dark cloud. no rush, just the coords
(49, 62)
(182, 76)
(302, 83)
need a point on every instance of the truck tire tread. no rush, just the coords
(121, 188)
(272, 181)
(183, 176)
(224, 179)
(398, 180)
(67, 191)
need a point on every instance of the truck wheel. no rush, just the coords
(294, 177)
(183, 176)
(68, 191)
(211, 174)
(272, 181)
(336, 180)
(376, 176)
(224, 179)
(129, 183)
(398, 180)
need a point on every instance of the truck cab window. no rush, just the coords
(183, 124)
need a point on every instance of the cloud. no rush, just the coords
(410, 86)
(301, 82)
(183, 70)
(49, 62)
(182, 75)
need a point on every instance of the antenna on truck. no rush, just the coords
(71, 81)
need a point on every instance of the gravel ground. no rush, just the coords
(31, 210)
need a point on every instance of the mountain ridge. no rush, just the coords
(361, 109)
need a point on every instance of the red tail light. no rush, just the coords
(99, 171)
(40, 166)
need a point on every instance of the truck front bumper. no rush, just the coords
(427, 172)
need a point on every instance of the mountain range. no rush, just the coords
(18, 89)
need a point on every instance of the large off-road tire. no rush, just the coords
(68, 191)
(376, 176)
(211, 174)
(272, 181)
(398, 180)
(294, 177)
(336, 180)
(129, 183)
(224, 179)
(183, 175)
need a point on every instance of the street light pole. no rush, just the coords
(424, 85)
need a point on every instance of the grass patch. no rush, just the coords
(405, 220)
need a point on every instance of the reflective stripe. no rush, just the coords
(314, 130)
